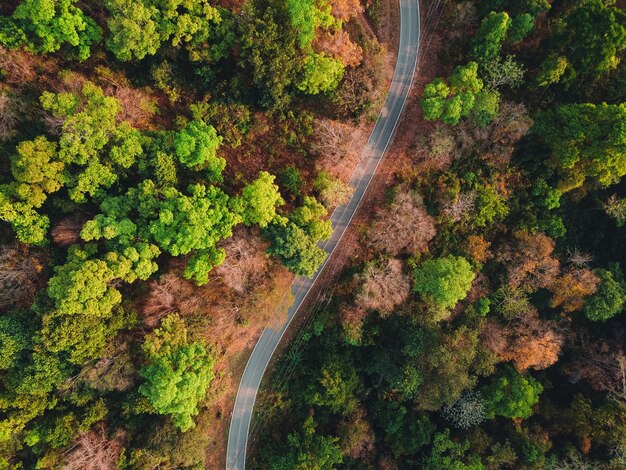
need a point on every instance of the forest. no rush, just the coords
(169, 166)
(161, 184)
(481, 325)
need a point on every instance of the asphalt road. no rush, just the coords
(379, 140)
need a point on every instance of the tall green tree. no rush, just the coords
(443, 281)
(178, 373)
(610, 298)
(587, 143)
(294, 240)
(511, 395)
(48, 25)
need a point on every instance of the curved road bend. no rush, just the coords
(374, 152)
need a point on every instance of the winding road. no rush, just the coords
(374, 152)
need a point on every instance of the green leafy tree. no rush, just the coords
(460, 96)
(139, 27)
(487, 43)
(178, 373)
(610, 297)
(511, 395)
(335, 388)
(268, 51)
(521, 26)
(93, 146)
(449, 454)
(591, 37)
(587, 143)
(258, 201)
(196, 146)
(443, 281)
(37, 173)
(36, 170)
(47, 25)
(132, 29)
(15, 338)
(307, 450)
(490, 206)
(321, 73)
(294, 241)
(86, 312)
(405, 431)
(167, 220)
(551, 70)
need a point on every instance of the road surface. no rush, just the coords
(374, 152)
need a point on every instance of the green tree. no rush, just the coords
(178, 373)
(335, 387)
(196, 146)
(511, 395)
(36, 170)
(258, 201)
(443, 281)
(587, 143)
(294, 241)
(487, 43)
(447, 454)
(551, 70)
(132, 29)
(406, 431)
(591, 37)
(321, 73)
(93, 146)
(610, 297)
(47, 25)
(460, 96)
(521, 25)
(37, 173)
(307, 450)
(268, 51)
(139, 27)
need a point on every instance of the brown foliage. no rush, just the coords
(115, 371)
(352, 317)
(245, 262)
(19, 67)
(346, 9)
(67, 231)
(356, 436)
(528, 261)
(570, 289)
(361, 85)
(602, 363)
(383, 286)
(20, 275)
(9, 117)
(94, 450)
(331, 141)
(438, 150)
(405, 226)
(171, 293)
(495, 143)
(339, 45)
(510, 126)
(477, 248)
(459, 207)
(529, 342)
